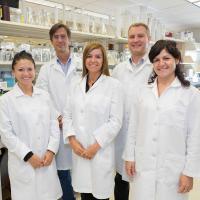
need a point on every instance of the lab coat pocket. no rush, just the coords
(173, 166)
(20, 170)
(174, 116)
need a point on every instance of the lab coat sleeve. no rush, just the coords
(106, 133)
(54, 139)
(68, 128)
(42, 82)
(42, 79)
(192, 165)
(8, 137)
(131, 103)
(115, 72)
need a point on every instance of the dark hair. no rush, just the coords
(88, 49)
(171, 48)
(20, 56)
(57, 26)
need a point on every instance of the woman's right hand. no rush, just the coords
(130, 168)
(76, 145)
(35, 161)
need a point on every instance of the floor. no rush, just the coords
(194, 194)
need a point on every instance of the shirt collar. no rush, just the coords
(144, 59)
(19, 93)
(67, 63)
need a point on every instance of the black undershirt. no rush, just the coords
(87, 85)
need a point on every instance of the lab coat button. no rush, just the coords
(154, 139)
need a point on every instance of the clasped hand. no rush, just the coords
(78, 148)
(37, 162)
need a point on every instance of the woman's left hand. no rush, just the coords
(48, 157)
(185, 184)
(91, 151)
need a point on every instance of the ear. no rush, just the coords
(177, 61)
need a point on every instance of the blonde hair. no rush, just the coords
(89, 47)
(140, 24)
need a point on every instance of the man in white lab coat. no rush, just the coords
(56, 77)
(132, 73)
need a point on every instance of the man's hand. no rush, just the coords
(60, 121)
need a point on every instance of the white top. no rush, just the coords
(94, 116)
(164, 140)
(131, 76)
(28, 123)
(52, 79)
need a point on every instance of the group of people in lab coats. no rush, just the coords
(141, 123)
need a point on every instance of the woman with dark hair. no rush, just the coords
(162, 152)
(92, 119)
(30, 131)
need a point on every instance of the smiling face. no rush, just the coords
(138, 40)
(94, 61)
(60, 41)
(24, 72)
(164, 65)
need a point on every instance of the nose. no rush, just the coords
(162, 62)
(25, 72)
(135, 39)
(93, 59)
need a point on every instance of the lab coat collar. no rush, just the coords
(19, 93)
(73, 66)
(83, 83)
(176, 83)
(146, 63)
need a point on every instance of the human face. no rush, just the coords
(138, 40)
(24, 72)
(164, 65)
(60, 41)
(94, 61)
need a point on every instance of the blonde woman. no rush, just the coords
(92, 119)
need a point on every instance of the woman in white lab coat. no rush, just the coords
(92, 119)
(30, 131)
(162, 152)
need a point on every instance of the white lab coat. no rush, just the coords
(163, 140)
(94, 116)
(28, 124)
(1, 145)
(129, 78)
(52, 79)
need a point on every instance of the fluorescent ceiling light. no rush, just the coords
(192, 1)
(46, 3)
(197, 3)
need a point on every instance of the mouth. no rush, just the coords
(26, 79)
(163, 69)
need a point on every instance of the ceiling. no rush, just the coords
(175, 14)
